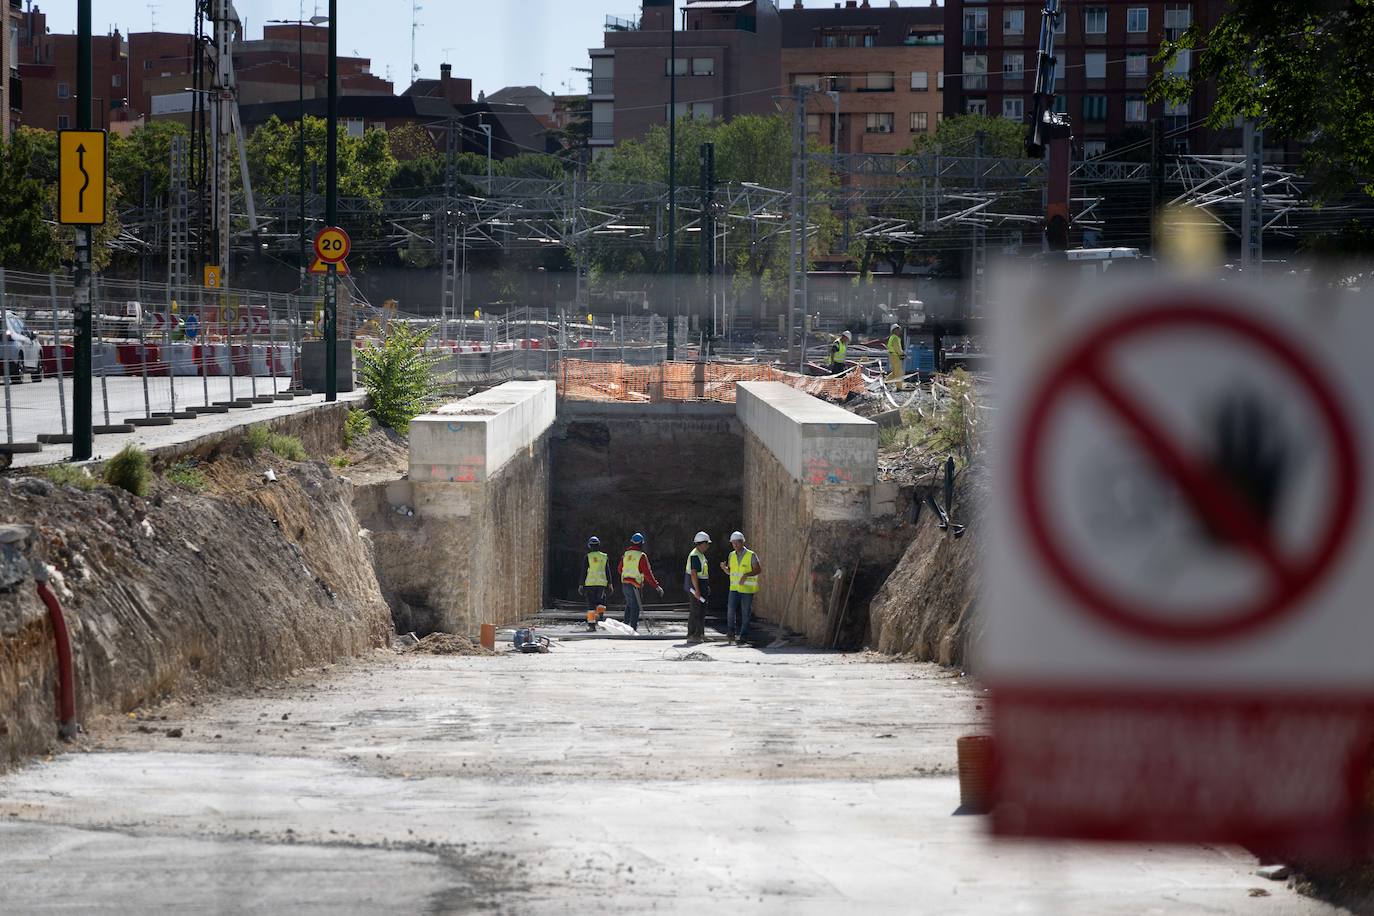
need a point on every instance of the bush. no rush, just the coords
(340, 461)
(129, 470)
(956, 425)
(260, 439)
(185, 475)
(357, 425)
(69, 475)
(399, 375)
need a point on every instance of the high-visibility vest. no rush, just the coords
(596, 568)
(894, 347)
(701, 573)
(629, 567)
(837, 357)
(738, 568)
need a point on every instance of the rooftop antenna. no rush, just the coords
(152, 16)
(446, 50)
(415, 8)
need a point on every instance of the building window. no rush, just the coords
(975, 28)
(830, 41)
(1181, 63)
(675, 113)
(354, 127)
(1014, 109)
(1061, 104)
(1176, 22)
(1138, 19)
(811, 81)
(703, 66)
(813, 124)
(1137, 63)
(920, 80)
(940, 80)
(147, 65)
(975, 71)
(879, 122)
(603, 75)
(1095, 65)
(1094, 108)
(1092, 148)
(63, 122)
(880, 82)
(676, 66)
(1013, 66)
(603, 119)
(1095, 20)
(116, 80)
(976, 106)
(1061, 23)
(1135, 109)
(1013, 22)
(703, 111)
(64, 91)
(939, 117)
(920, 122)
(870, 40)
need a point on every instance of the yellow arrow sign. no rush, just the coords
(81, 177)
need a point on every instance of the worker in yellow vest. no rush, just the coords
(697, 583)
(594, 581)
(635, 571)
(896, 356)
(743, 568)
(834, 361)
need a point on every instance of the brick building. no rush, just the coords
(11, 86)
(728, 61)
(1105, 50)
(47, 69)
(885, 62)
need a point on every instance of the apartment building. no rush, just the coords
(47, 68)
(875, 72)
(727, 64)
(11, 86)
(1106, 51)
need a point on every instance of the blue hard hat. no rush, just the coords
(636, 538)
(593, 541)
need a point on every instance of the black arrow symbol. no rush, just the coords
(81, 167)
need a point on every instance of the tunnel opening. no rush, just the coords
(664, 470)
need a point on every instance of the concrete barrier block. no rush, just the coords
(818, 443)
(469, 441)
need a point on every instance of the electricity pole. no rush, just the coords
(331, 212)
(672, 181)
(81, 293)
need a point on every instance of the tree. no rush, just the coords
(26, 240)
(411, 141)
(366, 164)
(1304, 68)
(1003, 138)
(146, 151)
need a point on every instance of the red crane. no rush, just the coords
(1052, 130)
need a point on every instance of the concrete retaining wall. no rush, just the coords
(810, 498)
(461, 542)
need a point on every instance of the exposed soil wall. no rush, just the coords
(666, 470)
(182, 590)
(927, 609)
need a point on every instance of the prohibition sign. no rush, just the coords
(332, 245)
(1210, 495)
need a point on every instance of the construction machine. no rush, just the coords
(1051, 131)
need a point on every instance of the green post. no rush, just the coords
(331, 217)
(81, 293)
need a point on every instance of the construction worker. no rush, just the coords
(634, 572)
(698, 586)
(896, 356)
(743, 568)
(838, 347)
(594, 580)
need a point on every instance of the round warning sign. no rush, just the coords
(1192, 503)
(332, 245)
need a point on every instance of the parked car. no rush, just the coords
(19, 350)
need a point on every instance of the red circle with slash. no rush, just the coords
(1211, 496)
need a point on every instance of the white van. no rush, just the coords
(19, 350)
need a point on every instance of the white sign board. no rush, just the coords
(1181, 566)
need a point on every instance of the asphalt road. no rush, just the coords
(604, 777)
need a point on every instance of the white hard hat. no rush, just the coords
(702, 538)
(846, 335)
(896, 327)
(737, 536)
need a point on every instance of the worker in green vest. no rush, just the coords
(743, 568)
(594, 580)
(635, 571)
(896, 356)
(838, 347)
(696, 582)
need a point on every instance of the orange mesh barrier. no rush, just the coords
(681, 381)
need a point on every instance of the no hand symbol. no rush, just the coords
(1209, 492)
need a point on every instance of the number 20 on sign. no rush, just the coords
(332, 245)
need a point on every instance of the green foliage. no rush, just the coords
(129, 470)
(356, 425)
(953, 427)
(410, 141)
(400, 377)
(531, 165)
(1304, 67)
(366, 164)
(257, 439)
(260, 439)
(26, 241)
(186, 475)
(147, 150)
(340, 461)
(956, 136)
(69, 475)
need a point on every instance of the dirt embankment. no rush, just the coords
(244, 581)
(927, 609)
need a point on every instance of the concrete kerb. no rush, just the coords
(817, 442)
(469, 441)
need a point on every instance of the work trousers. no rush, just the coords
(737, 611)
(595, 594)
(632, 605)
(696, 616)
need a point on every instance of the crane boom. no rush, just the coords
(1051, 130)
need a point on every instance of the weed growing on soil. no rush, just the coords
(257, 439)
(129, 470)
(67, 475)
(185, 475)
(954, 426)
(400, 377)
(340, 461)
(357, 425)
(260, 439)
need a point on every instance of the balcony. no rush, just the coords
(16, 93)
(603, 130)
(602, 85)
(616, 24)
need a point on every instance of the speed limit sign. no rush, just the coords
(332, 245)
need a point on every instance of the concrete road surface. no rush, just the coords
(605, 777)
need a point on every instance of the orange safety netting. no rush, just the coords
(680, 381)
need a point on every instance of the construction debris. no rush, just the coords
(447, 644)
